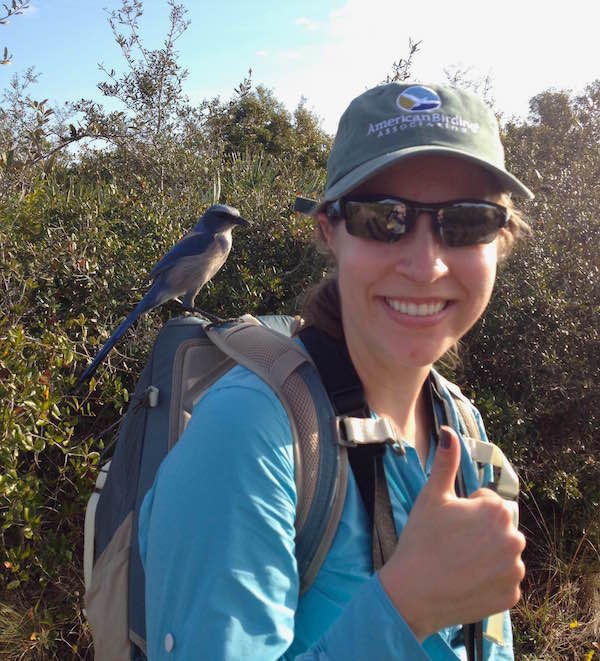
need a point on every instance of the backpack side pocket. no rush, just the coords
(106, 599)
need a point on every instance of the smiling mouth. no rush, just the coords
(416, 309)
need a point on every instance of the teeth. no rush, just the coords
(414, 310)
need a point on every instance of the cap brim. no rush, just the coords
(372, 167)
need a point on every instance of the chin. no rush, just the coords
(415, 354)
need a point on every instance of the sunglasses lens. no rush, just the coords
(470, 224)
(460, 223)
(380, 221)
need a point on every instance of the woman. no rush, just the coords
(414, 216)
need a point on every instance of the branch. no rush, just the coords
(15, 10)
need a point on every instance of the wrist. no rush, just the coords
(405, 601)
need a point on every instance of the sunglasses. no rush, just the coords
(458, 223)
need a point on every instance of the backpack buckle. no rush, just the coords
(352, 432)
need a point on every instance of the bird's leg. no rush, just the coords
(206, 315)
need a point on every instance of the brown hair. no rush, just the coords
(517, 227)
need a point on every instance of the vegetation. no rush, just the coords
(79, 232)
(16, 8)
(534, 362)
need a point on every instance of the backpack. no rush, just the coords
(189, 355)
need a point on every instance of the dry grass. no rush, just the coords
(558, 617)
(52, 629)
(556, 626)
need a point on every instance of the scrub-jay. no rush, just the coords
(183, 271)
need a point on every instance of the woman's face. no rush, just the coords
(404, 304)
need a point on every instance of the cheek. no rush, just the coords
(490, 257)
(361, 262)
(479, 273)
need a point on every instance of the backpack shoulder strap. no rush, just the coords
(465, 409)
(483, 451)
(367, 446)
(320, 463)
(467, 423)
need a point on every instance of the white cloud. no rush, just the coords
(262, 53)
(340, 11)
(527, 47)
(307, 23)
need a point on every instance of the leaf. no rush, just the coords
(39, 444)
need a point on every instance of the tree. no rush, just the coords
(17, 7)
(401, 70)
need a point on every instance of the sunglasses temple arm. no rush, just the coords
(304, 205)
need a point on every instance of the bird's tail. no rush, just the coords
(139, 309)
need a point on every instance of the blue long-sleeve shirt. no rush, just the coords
(217, 542)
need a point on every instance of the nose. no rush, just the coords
(421, 253)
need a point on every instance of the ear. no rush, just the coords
(327, 230)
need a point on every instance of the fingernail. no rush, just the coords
(445, 439)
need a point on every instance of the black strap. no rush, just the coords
(369, 472)
(337, 372)
(348, 398)
(479, 639)
(473, 634)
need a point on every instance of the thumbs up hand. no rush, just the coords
(457, 560)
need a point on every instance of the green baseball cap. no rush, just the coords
(393, 122)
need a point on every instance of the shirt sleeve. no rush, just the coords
(370, 628)
(217, 543)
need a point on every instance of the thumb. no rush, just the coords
(445, 464)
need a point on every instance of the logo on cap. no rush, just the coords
(417, 99)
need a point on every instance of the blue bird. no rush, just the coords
(183, 271)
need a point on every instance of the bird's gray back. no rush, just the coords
(191, 273)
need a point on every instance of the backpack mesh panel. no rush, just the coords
(264, 355)
(296, 391)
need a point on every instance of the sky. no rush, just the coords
(327, 51)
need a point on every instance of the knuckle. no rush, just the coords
(516, 596)
(502, 515)
(517, 573)
(511, 597)
(516, 542)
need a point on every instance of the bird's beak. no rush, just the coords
(238, 220)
